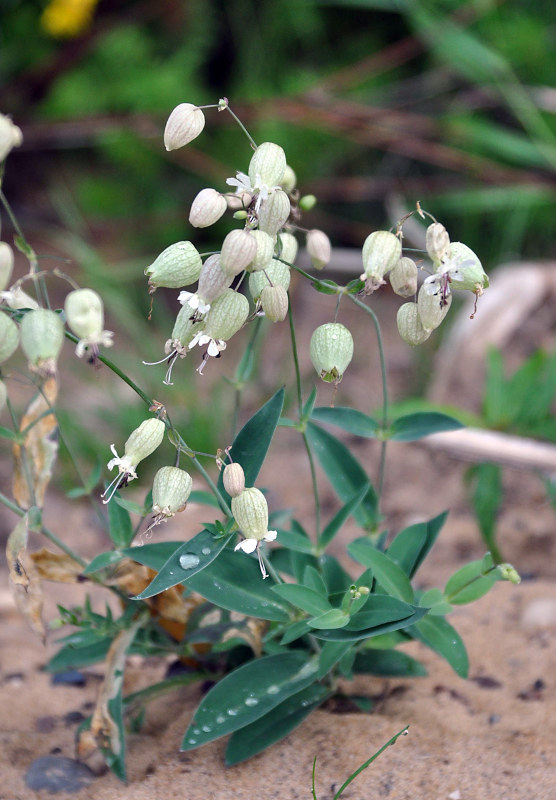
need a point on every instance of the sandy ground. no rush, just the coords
(493, 735)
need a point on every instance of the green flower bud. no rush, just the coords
(207, 208)
(437, 242)
(307, 202)
(381, 252)
(6, 264)
(42, 336)
(277, 274)
(3, 395)
(10, 136)
(171, 490)
(274, 302)
(239, 248)
(410, 326)
(9, 337)
(274, 212)
(179, 265)
(184, 124)
(331, 350)
(318, 248)
(289, 180)
(287, 247)
(233, 478)
(432, 308)
(250, 511)
(509, 573)
(267, 165)
(265, 250)
(403, 277)
(227, 315)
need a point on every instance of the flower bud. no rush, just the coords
(307, 202)
(267, 165)
(277, 274)
(467, 264)
(265, 250)
(274, 212)
(432, 308)
(233, 478)
(403, 277)
(250, 511)
(42, 336)
(287, 247)
(227, 315)
(289, 180)
(509, 573)
(331, 350)
(144, 440)
(17, 299)
(85, 316)
(239, 248)
(179, 265)
(3, 395)
(318, 247)
(6, 264)
(207, 208)
(10, 136)
(437, 242)
(410, 326)
(274, 302)
(212, 282)
(184, 124)
(171, 490)
(9, 337)
(381, 252)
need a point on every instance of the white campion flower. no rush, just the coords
(243, 185)
(462, 269)
(141, 443)
(250, 545)
(215, 347)
(194, 302)
(250, 511)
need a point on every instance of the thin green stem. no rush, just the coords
(369, 761)
(242, 126)
(295, 358)
(384, 422)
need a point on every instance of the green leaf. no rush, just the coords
(326, 286)
(300, 562)
(250, 446)
(351, 634)
(303, 597)
(345, 473)
(388, 663)
(120, 527)
(197, 553)
(335, 577)
(469, 584)
(129, 505)
(340, 517)
(330, 654)
(308, 407)
(247, 694)
(295, 541)
(75, 657)
(103, 560)
(380, 609)
(330, 620)
(6, 433)
(314, 580)
(390, 576)
(234, 582)
(152, 555)
(435, 601)
(203, 498)
(412, 545)
(415, 426)
(441, 637)
(295, 631)
(349, 419)
(487, 496)
(278, 723)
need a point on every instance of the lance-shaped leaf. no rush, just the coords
(338, 519)
(303, 597)
(388, 614)
(247, 694)
(120, 527)
(250, 446)
(411, 546)
(278, 723)
(349, 419)
(190, 558)
(345, 473)
(415, 426)
(441, 637)
(391, 663)
(469, 583)
(35, 459)
(390, 576)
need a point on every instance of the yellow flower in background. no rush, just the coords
(67, 18)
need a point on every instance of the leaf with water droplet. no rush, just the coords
(290, 672)
(190, 560)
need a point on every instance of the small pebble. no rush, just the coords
(73, 718)
(539, 614)
(45, 724)
(58, 774)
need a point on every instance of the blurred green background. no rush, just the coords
(378, 103)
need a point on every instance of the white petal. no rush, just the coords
(270, 536)
(247, 545)
(213, 349)
(183, 297)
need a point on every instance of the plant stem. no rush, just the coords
(242, 126)
(384, 422)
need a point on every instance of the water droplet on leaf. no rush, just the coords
(188, 561)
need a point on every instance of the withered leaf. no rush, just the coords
(34, 460)
(56, 566)
(29, 601)
(16, 548)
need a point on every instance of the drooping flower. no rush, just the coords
(141, 443)
(250, 511)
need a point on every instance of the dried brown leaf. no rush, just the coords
(251, 632)
(34, 460)
(16, 548)
(29, 601)
(56, 566)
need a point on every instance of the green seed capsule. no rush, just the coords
(287, 247)
(318, 248)
(432, 308)
(42, 336)
(3, 395)
(403, 277)
(227, 315)
(179, 265)
(277, 274)
(250, 511)
(144, 440)
(410, 326)
(239, 248)
(274, 212)
(381, 252)
(171, 490)
(331, 351)
(9, 337)
(274, 302)
(265, 250)
(207, 208)
(267, 165)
